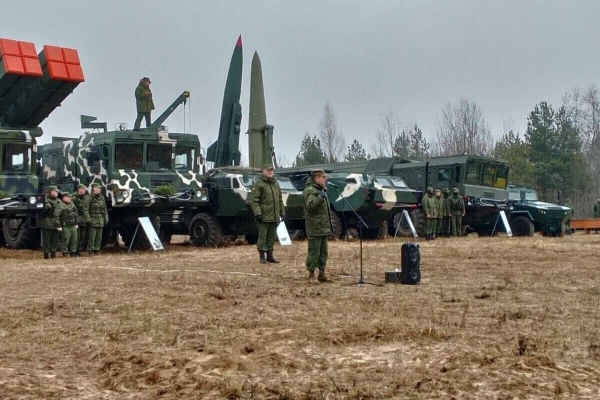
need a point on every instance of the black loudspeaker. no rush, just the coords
(411, 258)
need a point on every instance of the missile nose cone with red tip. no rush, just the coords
(239, 42)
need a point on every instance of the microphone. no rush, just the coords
(333, 184)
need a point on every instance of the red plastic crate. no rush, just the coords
(13, 65)
(53, 53)
(70, 56)
(57, 71)
(75, 73)
(9, 47)
(31, 66)
(27, 49)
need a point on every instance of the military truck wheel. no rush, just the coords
(205, 230)
(139, 243)
(251, 239)
(418, 220)
(18, 235)
(298, 234)
(522, 226)
(336, 224)
(165, 236)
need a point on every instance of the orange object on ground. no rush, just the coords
(587, 224)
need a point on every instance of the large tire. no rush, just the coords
(522, 226)
(18, 234)
(205, 230)
(561, 231)
(141, 241)
(336, 224)
(418, 219)
(376, 233)
(251, 239)
(298, 234)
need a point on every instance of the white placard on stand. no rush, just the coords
(505, 222)
(283, 235)
(150, 233)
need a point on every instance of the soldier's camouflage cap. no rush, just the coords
(81, 186)
(267, 166)
(318, 172)
(96, 185)
(51, 188)
(446, 190)
(67, 194)
(429, 190)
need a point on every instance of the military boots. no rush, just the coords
(322, 277)
(53, 255)
(46, 256)
(262, 256)
(311, 277)
(270, 257)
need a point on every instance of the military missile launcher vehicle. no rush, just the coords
(230, 211)
(32, 85)
(483, 182)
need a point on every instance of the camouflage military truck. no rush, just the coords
(147, 173)
(482, 181)
(547, 218)
(230, 209)
(32, 85)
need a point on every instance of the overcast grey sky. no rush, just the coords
(366, 57)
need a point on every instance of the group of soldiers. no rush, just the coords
(73, 221)
(268, 209)
(443, 213)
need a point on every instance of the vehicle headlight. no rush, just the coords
(198, 194)
(32, 200)
(125, 194)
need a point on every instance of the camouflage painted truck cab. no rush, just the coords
(142, 174)
(483, 182)
(32, 86)
(230, 196)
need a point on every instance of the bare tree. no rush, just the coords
(332, 139)
(386, 135)
(463, 130)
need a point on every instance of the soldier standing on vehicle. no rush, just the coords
(428, 206)
(457, 210)
(446, 224)
(96, 215)
(82, 231)
(144, 103)
(569, 216)
(439, 212)
(67, 215)
(48, 223)
(267, 206)
(318, 224)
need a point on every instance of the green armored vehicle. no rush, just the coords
(547, 218)
(146, 173)
(32, 85)
(376, 197)
(230, 209)
(483, 182)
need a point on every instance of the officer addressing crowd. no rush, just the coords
(268, 210)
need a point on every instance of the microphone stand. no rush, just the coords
(362, 223)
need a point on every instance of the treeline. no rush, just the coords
(559, 151)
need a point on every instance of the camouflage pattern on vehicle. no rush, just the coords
(230, 209)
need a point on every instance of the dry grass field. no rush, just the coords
(493, 318)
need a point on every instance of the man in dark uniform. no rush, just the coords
(144, 103)
(267, 206)
(49, 224)
(66, 214)
(96, 215)
(446, 223)
(82, 231)
(428, 205)
(457, 209)
(318, 224)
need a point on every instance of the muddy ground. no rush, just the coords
(493, 318)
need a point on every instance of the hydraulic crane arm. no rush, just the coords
(182, 99)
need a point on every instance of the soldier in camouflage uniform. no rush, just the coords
(96, 215)
(457, 210)
(268, 209)
(428, 206)
(446, 223)
(143, 102)
(67, 215)
(318, 224)
(82, 231)
(439, 212)
(48, 223)
(569, 216)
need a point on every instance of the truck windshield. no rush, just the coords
(185, 157)
(158, 157)
(502, 178)
(515, 194)
(129, 155)
(472, 175)
(399, 183)
(285, 184)
(383, 182)
(16, 157)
